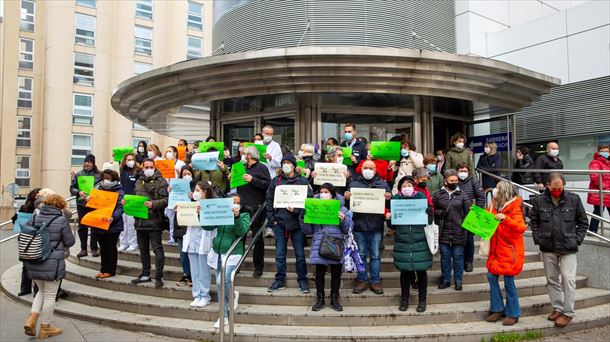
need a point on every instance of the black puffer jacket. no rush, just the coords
(449, 213)
(558, 229)
(155, 188)
(524, 177)
(285, 219)
(369, 222)
(253, 194)
(473, 190)
(544, 162)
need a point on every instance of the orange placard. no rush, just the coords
(181, 152)
(104, 203)
(166, 168)
(98, 219)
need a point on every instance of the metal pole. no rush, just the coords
(508, 146)
(221, 299)
(231, 305)
(601, 202)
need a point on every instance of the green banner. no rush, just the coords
(347, 153)
(322, 211)
(119, 152)
(301, 164)
(219, 145)
(238, 170)
(262, 149)
(480, 222)
(134, 206)
(85, 183)
(385, 150)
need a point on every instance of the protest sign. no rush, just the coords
(480, 222)
(218, 145)
(262, 149)
(238, 170)
(166, 168)
(369, 201)
(134, 206)
(385, 150)
(347, 153)
(180, 192)
(85, 183)
(409, 211)
(186, 214)
(119, 152)
(216, 212)
(103, 202)
(330, 173)
(181, 152)
(205, 161)
(292, 196)
(322, 211)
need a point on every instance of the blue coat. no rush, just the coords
(333, 230)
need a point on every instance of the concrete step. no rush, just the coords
(292, 296)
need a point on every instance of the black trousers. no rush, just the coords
(108, 252)
(469, 249)
(147, 238)
(258, 254)
(26, 282)
(405, 283)
(83, 231)
(335, 277)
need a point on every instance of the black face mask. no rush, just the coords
(422, 184)
(451, 186)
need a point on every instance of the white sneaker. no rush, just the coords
(132, 249)
(217, 323)
(202, 302)
(194, 303)
(235, 302)
(122, 248)
(269, 233)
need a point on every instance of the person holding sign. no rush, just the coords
(153, 186)
(409, 160)
(450, 208)
(411, 252)
(324, 232)
(306, 155)
(334, 156)
(274, 151)
(130, 173)
(218, 177)
(473, 190)
(179, 230)
(82, 183)
(285, 221)
(171, 153)
(253, 194)
(357, 146)
(506, 253)
(368, 230)
(108, 238)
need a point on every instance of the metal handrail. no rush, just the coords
(564, 171)
(10, 221)
(221, 290)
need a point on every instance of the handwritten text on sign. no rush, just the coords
(330, 173)
(186, 214)
(368, 201)
(290, 196)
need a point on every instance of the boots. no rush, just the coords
(334, 301)
(30, 324)
(319, 305)
(421, 307)
(46, 330)
(404, 303)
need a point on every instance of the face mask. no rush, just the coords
(141, 149)
(328, 148)
(554, 153)
(407, 191)
(422, 184)
(325, 195)
(462, 175)
(244, 160)
(339, 160)
(236, 206)
(151, 154)
(439, 157)
(431, 168)
(301, 154)
(106, 182)
(287, 168)
(130, 164)
(487, 150)
(604, 154)
(494, 193)
(459, 145)
(196, 195)
(149, 172)
(451, 186)
(259, 142)
(556, 193)
(404, 152)
(348, 136)
(267, 138)
(188, 178)
(169, 155)
(368, 174)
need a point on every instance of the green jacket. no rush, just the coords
(435, 183)
(411, 251)
(225, 235)
(216, 177)
(455, 156)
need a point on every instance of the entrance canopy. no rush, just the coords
(155, 99)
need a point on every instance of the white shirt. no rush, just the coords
(275, 150)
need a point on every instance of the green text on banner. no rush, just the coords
(134, 206)
(322, 211)
(480, 222)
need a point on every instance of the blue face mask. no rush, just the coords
(604, 154)
(431, 168)
(404, 152)
(348, 136)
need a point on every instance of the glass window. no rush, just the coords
(86, 3)
(26, 53)
(22, 170)
(83, 69)
(195, 16)
(25, 92)
(367, 100)
(82, 109)
(372, 127)
(144, 9)
(143, 40)
(85, 29)
(140, 127)
(139, 68)
(193, 47)
(136, 140)
(27, 15)
(24, 131)
(81, 146)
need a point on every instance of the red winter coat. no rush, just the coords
(507, 249)
(599, 163)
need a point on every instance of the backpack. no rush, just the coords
(33, 241)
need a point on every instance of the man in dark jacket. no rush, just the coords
(548, 161)
(254, 195)
(451, 206)
(286, 224)
(368, 229)
(474, 192)
(358, 148)
(559, 224)
(89, 169)
(153, 186)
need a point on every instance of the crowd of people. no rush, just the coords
(446, 179)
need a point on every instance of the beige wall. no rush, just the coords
(54, 49)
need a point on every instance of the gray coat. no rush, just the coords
(54, 268)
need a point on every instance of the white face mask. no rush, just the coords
(258, 142)
(244, 160)
(151, 154)
(130, 164)
(301, 154)
(487, 150)
(267, 138)
(339, 160)
(188, 178)
(149, 172)
(196, 195)
(169, 155)
(141, 149)
(494, 193)
(106, 182)
(462, 175)
(459, 145)
(325, 195)
(407, 191)
(236, 206)
(287, 168)
(368, 174)
(554, 153)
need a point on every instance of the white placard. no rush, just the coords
(367, 201)
(290, 196)
(187, 214)
(330, 173)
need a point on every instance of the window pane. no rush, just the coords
(143, 32)
(193, 47)
(24, 131)
(144, 9)
(22, 170)
(88, 3)
(83, 69)
(82, 110)
(143, 40)
(85, 29)
(26, 53)
(195, 16)
(135, 141)
(25, 92)
(27, 15)
(81, 146)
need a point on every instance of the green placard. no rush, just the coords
(238, 170)
(347, 153)
(85, 183)
(219, 145)
(262, 149)
(134, 206)
(385, 150)
(301, 164)
(119, 152)
(322, 211)
(480, 222)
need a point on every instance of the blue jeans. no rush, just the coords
(281, 244)
(512, 308)
(369, 244)
(184, 258)
(452, 258)
(228, 271)
(201, 275)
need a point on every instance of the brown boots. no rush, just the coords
(46, 330)
(30, 324)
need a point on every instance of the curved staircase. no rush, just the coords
(286, 315)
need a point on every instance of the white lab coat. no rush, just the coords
(275, 150)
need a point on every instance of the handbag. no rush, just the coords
(331, 247)
(484, 246)
(431, 231)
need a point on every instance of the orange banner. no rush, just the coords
(98, 219)
(166, 168)
(181, 152)
(101, 199)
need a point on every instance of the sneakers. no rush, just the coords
(217, 324)
(276, 286)
(303, 286)
(184, 281)
(158, 283)
(200, 302)
(359, 287)
(122, 248)
(269, 233)
(131, 249)
(141, 279)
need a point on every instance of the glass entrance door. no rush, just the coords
(233, 133)
(283, 130)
